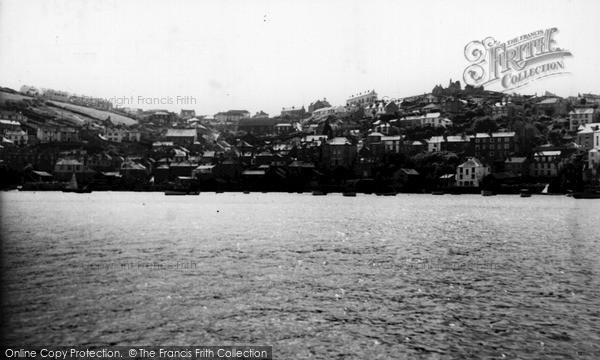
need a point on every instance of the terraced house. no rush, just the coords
(493, 146)
(545, 164)
(118, 135)
(57, 134)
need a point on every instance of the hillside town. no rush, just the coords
(453, 139)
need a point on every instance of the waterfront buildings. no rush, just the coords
(545, 164)
(471, 173)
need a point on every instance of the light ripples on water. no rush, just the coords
(322, 277)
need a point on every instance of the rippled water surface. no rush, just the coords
(316, 277)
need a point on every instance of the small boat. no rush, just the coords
(246, 192)
(525, 193)
(545, 190)
(181, 192)
(487, 193)
(589, 194)
(175, 192)
(319, 193)
(85, 190)
(72, 187)
(437, 192)
(349, 193)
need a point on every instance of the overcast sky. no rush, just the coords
(264, 55)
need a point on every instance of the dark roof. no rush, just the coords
(409, 171)
(257, 122)
(235, 112)
(516, 159)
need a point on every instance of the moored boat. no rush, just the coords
(74, 188)
(589, 194)
(487, 193)
(545, 189)
(437, 192)
(319, 193)
(525, 193)
(181, 192)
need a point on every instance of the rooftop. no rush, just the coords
(181, 133)
(496, 134)
(580, 111)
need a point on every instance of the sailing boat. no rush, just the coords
(545, 191)
(73, 187)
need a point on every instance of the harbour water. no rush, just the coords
(316, 277)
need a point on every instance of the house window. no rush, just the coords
(472, 176)
(491, 153)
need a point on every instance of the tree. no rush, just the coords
(484, 125)
(555, 138)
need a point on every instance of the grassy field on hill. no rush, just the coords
(4, 97)
(98, 114)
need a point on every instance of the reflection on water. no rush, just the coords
(322, 277)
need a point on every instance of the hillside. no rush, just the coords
(6, 96)
(97, 114)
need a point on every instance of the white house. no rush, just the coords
(434, 119)
(471, 173)
(18, 137)
(118, 135)
(392, 143)
(580, 116)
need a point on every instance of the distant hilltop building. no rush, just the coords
(187, 114)
(30, 90)
(319, 104)
(56, 95)
(293, 111)
(261, 115)
(452, 89)
(362, 98)
(231, 116)
(591, 99)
